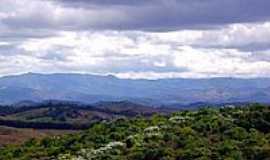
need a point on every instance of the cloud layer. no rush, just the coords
(130, 15)
(136, 39)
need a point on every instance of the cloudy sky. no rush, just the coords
(136, 38)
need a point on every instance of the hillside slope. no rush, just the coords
(67, 115)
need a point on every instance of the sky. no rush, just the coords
(149, 39)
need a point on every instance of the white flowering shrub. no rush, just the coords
(180, 119)
(68, 157)
(153, 131)
(93, 154)
(164, 127)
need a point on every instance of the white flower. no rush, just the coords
(151, 129)
(179, 119)
(92, 154)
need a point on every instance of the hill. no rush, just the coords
(225, 133)
(71, 115)
(88, 89)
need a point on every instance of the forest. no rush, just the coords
(228, 133)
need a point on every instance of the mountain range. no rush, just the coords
(86, 88)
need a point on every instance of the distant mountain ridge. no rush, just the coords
(88, 88)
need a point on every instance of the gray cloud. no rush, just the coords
(161, 15)
(10, 49)
(174, 14)
(13, 34)
(87, 3)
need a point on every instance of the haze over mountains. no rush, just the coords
(87, 88)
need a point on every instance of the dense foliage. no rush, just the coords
(226, 133)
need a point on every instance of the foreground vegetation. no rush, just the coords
(226, 133)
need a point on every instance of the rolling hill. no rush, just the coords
(71, 115)
(92, 89)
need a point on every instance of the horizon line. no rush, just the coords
(117, 77)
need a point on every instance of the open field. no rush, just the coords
(10, 135)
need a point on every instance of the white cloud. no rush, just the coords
(237, 35)
(138, 54)
(226, 62)
(4, 43)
